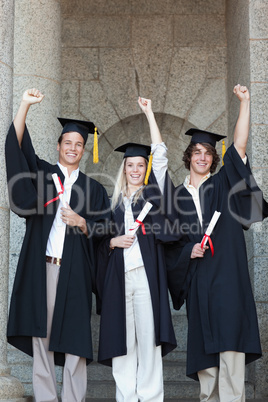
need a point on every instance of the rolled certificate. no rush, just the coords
(140, 218)
(210, 227)
(59, 188)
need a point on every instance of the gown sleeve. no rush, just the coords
(100, 211)
(245, 197)
(156, 193)
(98, 224)
(180, 269)
(20, 178)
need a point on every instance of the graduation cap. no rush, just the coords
(84, 128)
(199, 136)
(131, 149)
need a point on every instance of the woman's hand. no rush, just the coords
(145, 104)
(124, 241)
(197, 251)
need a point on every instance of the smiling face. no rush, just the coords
(201, 161)
(71, 150)
(135, 169)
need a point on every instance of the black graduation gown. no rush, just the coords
(30, 187)
(111, 286)
(220, 305)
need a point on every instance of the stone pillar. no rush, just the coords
(37, 64)
(247, 34)
(10, 387)
(258, 36)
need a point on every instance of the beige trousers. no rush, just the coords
(74, 372)
(226, 383)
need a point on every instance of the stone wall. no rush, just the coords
(173, 52)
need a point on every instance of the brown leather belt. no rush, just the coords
(53, 260)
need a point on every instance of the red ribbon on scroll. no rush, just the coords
(142, 226)
(56, 198)
(210, 243)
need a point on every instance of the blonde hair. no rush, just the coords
(121, 186)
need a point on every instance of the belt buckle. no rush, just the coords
(57, 261)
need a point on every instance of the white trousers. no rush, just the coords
(139, 373)
(226, 383)
(74, 372)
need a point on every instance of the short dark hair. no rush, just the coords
(187, 155)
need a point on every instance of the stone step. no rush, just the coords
(101, 385)
(174, 390)
(173, 371)
(106, 389)
(30, 399)
(188, 391)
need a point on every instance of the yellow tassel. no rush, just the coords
(95, 147)
(223, 150)
(149, 168)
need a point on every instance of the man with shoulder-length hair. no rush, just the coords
(211, 273)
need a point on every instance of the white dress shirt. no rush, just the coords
(195, 193)
(57, 233)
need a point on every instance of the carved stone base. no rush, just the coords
(11, 389)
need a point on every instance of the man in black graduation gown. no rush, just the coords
(223, 330)
(51, 302)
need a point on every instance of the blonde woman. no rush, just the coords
(136, 328)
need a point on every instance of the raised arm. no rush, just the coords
(242, 126)
(30, 97)
(160, 161)
(146, 107)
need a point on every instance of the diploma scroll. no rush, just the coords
(59, 188)
(209, 230)
(139, 221)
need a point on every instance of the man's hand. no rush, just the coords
(124, 241)
(197, 251)
(71, 218)
(241, 92)
(32, 96)
(241, 132)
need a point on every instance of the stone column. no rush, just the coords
(37, 64)
(247, 34)
(10, 387)
(258, 35)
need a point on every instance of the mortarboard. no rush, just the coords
(199, 136)
(84, 128)
(132, 149)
